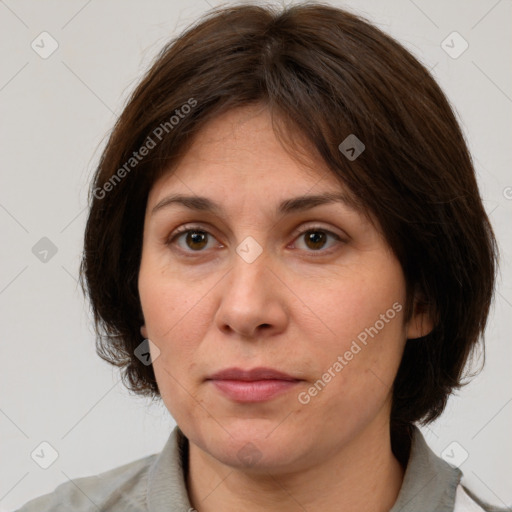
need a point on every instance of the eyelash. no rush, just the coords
(310, 229)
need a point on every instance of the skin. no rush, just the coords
(295, 308)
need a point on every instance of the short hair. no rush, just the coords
(326, 74)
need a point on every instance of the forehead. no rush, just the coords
(238, 152)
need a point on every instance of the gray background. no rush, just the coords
(56, 113)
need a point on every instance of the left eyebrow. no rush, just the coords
(302, 203)
(292, 205)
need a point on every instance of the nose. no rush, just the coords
(252, 301)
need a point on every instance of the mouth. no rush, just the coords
(256, 385)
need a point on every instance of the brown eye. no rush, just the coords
(191, 240)
(196, 240)
(315, 239)
(318, 240)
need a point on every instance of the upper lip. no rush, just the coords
(260, 373)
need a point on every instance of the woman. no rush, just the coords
(287, 245)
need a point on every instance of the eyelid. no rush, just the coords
(322, 252)
(318, 227)
(189, 227)
(172, 239)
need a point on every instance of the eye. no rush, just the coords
(192, 239)
(316, 239)
(196, 239)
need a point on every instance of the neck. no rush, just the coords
(363, 475)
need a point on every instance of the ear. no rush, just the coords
(422, 320)
(144, 332)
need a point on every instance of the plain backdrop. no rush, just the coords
(56, 113)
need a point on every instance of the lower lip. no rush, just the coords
(253, 391)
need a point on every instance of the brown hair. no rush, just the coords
(325, 73)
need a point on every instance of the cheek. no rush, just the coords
(354, 306)
(175, 319)
(165, 296)
(360, 316)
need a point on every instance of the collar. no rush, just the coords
(166, 478)
(429, 485)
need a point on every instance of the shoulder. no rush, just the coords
(431, 484)
(466, 501)
(120, 489)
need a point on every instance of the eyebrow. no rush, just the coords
(292, 205)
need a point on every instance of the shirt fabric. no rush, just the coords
(156, 483)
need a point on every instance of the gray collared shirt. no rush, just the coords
(157, 484)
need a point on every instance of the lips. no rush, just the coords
(255, 385)
(254, 374)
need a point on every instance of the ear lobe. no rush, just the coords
(144, 332)
(421, 322)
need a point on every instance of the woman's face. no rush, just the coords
(256, 275)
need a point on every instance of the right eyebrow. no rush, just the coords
(198, 203)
